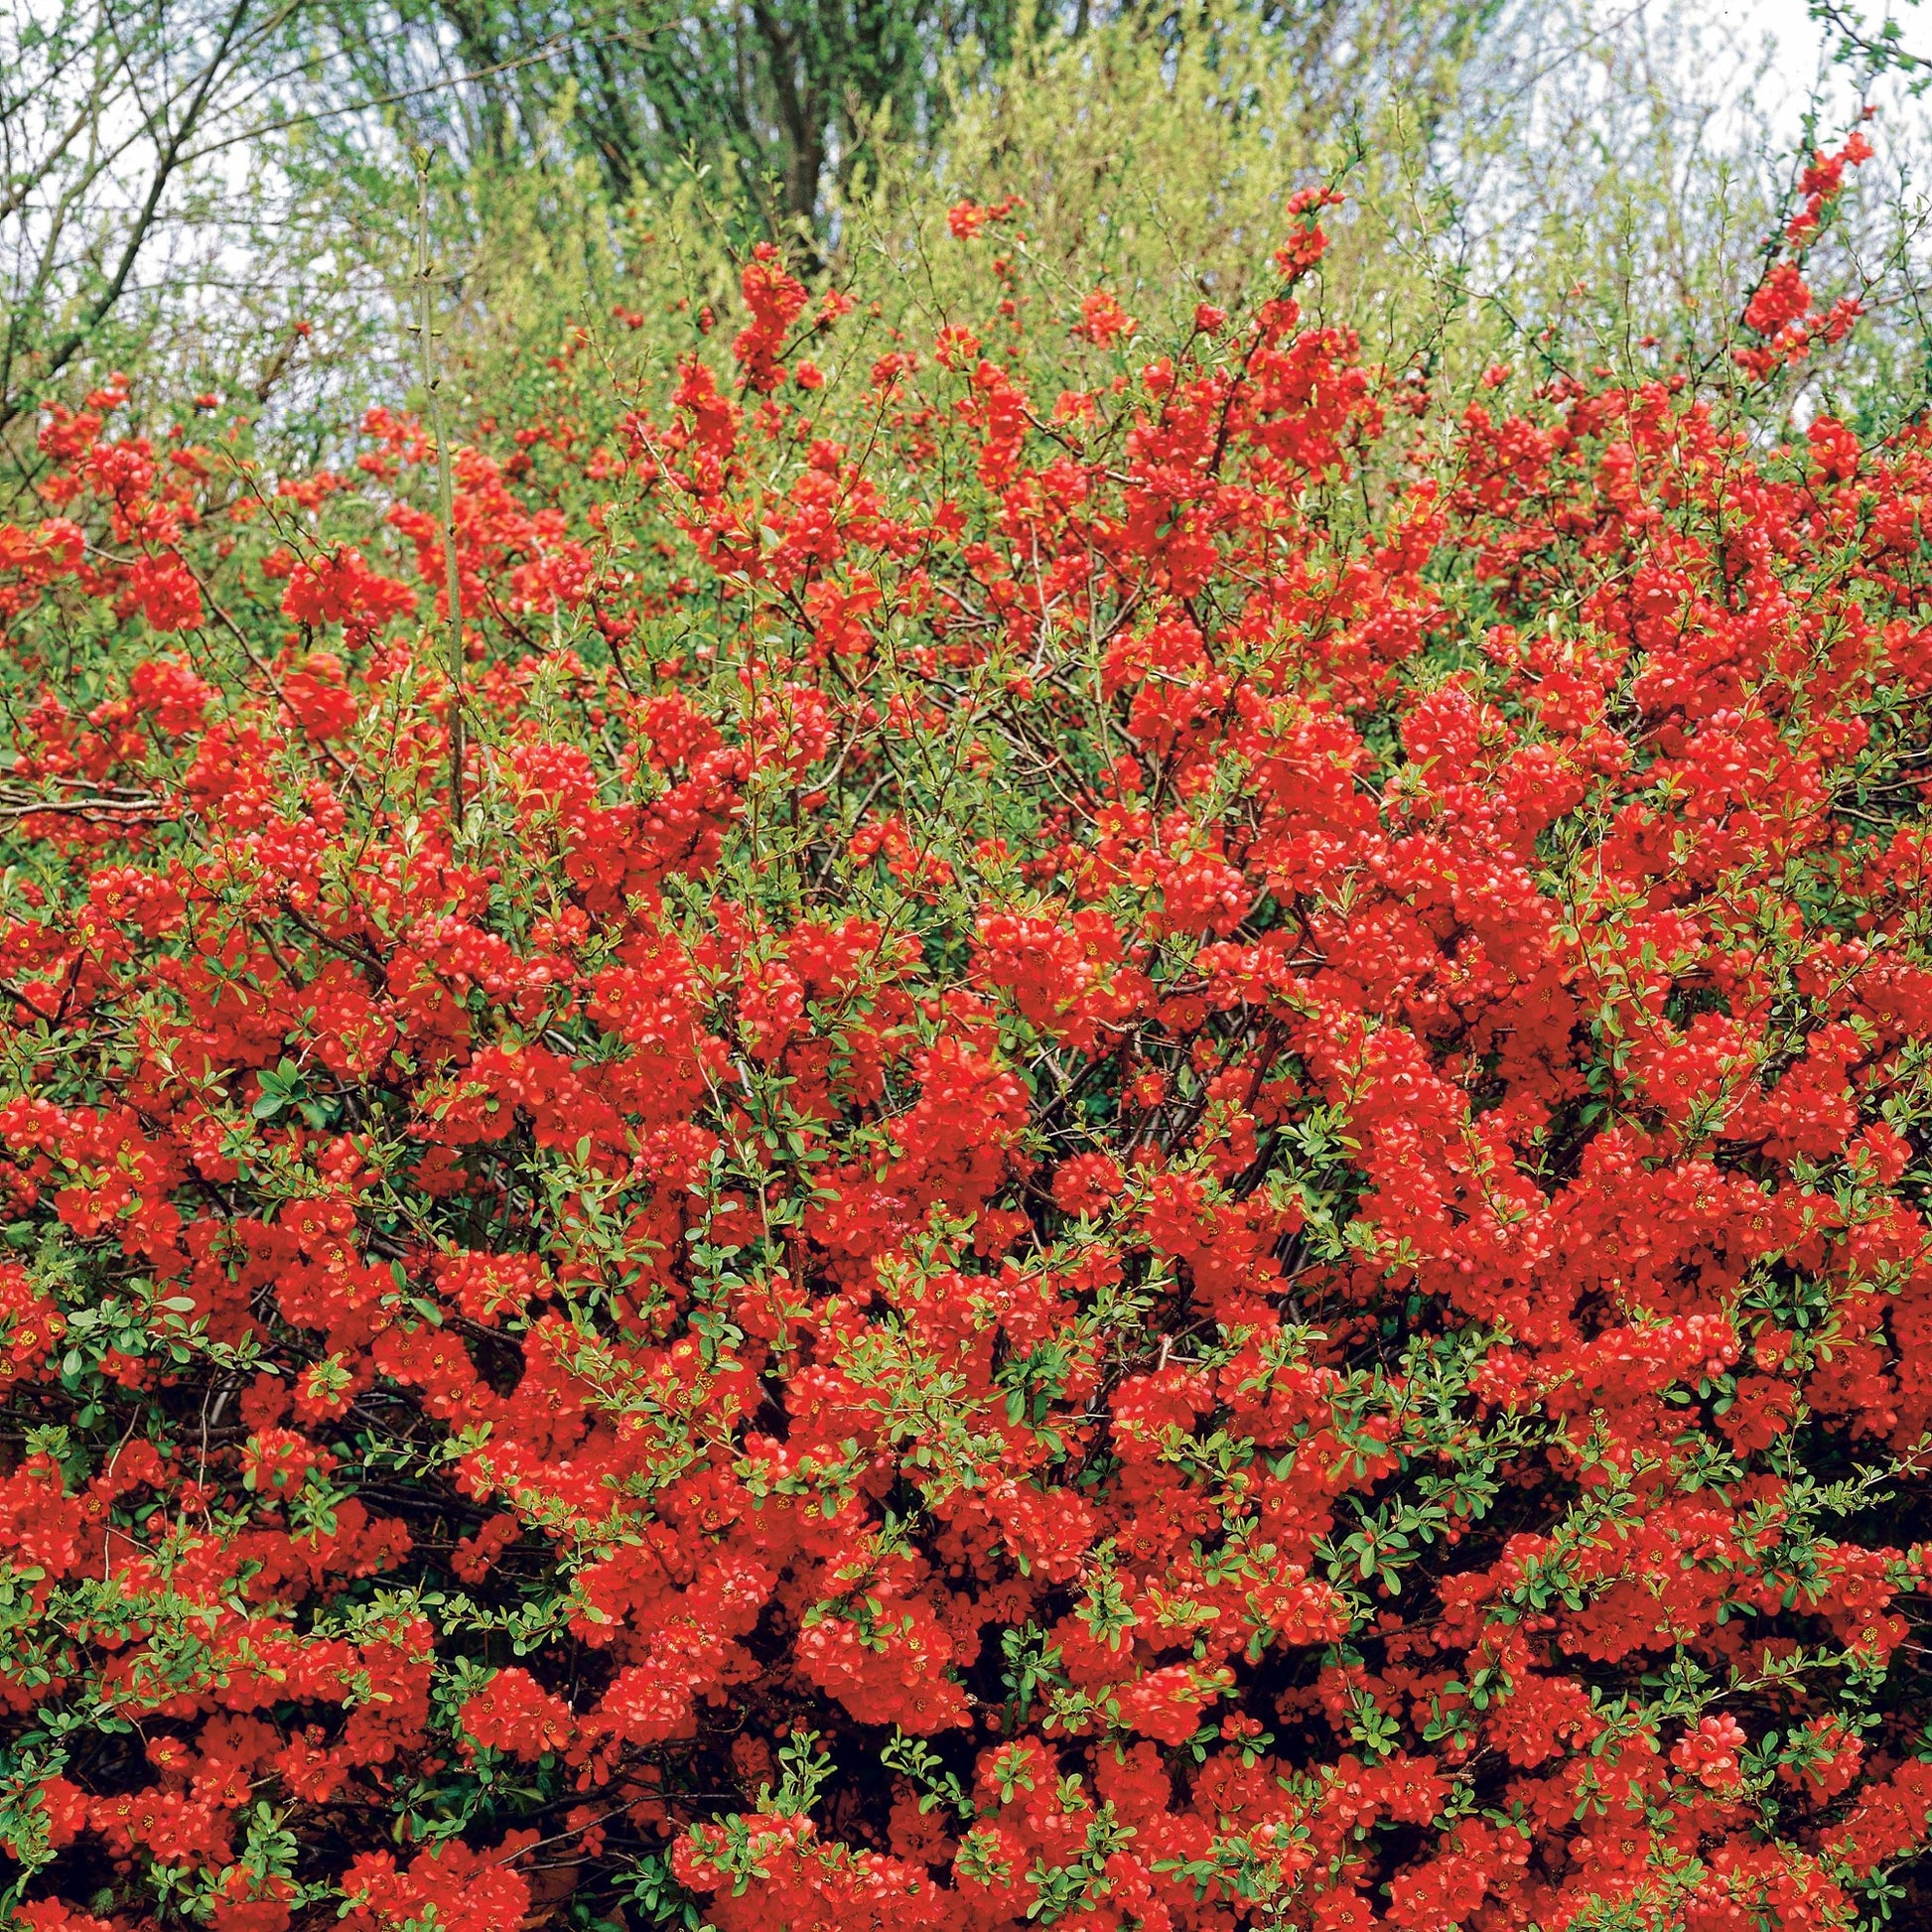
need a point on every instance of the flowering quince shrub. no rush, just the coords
(1154, 1157)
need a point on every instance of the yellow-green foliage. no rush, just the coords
(1531, 192)
(1525, 185)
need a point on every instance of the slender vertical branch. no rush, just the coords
(444, 490)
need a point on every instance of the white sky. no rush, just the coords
(1787, 24)
(1786, 20)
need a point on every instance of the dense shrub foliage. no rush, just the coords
(1152, 1157)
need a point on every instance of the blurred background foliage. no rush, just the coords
(217, 196)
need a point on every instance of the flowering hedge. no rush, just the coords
(1154, 1157)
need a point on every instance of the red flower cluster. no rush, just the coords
(1780, 308)
(1156, 1157)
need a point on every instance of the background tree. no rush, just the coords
(105, 110)
(794, 93)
